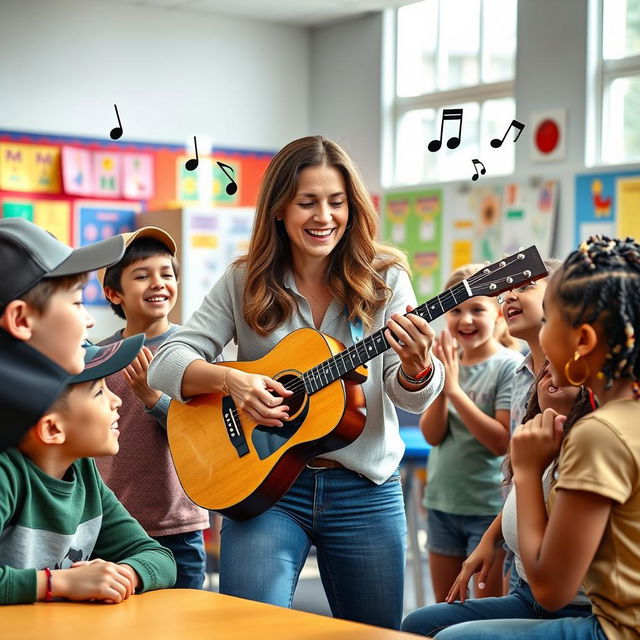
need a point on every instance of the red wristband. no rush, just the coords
(48, 596)
(425, 372)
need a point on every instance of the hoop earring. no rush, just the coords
(567, 372)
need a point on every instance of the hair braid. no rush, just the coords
(600, 283)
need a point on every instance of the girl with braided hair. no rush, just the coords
(590, 534)
(520, 602)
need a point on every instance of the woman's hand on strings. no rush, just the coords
(252, 394)
(412, 342)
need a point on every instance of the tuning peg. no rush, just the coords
(526, 273)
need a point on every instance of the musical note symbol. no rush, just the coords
(192, 163)
(454, 141)
(116, 132)
(482, 171)
(232, 187)
(497, 142)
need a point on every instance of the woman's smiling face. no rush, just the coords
(316, 218)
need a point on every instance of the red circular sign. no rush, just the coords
(547, 136)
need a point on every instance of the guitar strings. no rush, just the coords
(298, 385)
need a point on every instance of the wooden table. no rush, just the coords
(176, 614)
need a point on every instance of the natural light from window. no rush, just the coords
(453, 55)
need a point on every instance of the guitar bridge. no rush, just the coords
(232, 424)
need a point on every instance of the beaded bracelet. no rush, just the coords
(423, 378)
(48, 595)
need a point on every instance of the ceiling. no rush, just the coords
(305, 13)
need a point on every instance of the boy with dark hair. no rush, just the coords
(142, 288)
(62, 531)
(43, 322)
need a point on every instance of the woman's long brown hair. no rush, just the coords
(357, 262)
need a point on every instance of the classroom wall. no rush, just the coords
(345, 89)
(173, 74)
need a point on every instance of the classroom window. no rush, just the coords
(452, 54)
(617, 82)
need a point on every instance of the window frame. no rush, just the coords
(396, 107)
(601, 75)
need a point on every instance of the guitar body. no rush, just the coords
(242, 479)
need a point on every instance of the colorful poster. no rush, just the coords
(138, 176)
(397, 210)
(597, 206)
(628, 209)
(224, 177)
(189, 189)
(107, 171)
(17, 209)
(98, 221)
(203, 260)
(238, 223)
(44, 168)
(29, 167)
(55, 217)
(486, 201)
(476, 229)
(77, 171)
(14, 167)
(529, 216)
(413, 222)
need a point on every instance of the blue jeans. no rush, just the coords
(188, 551)
(358, 528)
(513, 617)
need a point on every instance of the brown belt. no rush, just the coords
(324, 463)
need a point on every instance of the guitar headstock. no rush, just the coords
(509, 273)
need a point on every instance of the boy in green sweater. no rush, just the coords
(63, 534)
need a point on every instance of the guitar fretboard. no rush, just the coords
(364, 350)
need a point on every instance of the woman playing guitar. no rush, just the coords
(313, 261)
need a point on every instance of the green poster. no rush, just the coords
(413, 223)
(17, 210)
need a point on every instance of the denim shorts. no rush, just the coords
(449, 534)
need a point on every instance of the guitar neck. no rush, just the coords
(368, 348)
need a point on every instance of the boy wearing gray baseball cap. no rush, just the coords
(43, 322)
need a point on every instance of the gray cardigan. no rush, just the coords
(378, 450)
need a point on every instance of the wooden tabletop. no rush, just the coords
(174, 614)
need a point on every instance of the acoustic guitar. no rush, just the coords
(228, 463)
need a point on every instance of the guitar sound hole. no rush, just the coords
(268, 440)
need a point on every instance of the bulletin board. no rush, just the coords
(469, 224)
(87, 189)
(413, 223)
(607, 204)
